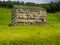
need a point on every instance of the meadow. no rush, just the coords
(48, 34)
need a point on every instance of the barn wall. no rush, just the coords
(23, 16)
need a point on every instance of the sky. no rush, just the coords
(35, 1)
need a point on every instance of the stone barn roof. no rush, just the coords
(28, 7)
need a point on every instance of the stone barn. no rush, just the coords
(28, 15)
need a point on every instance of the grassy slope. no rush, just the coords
(33, 35)
(5, 15)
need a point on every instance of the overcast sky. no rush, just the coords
(35, 1)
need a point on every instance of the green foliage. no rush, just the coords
(30, 4)
(50, 7)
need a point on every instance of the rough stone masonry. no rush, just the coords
(28, 15)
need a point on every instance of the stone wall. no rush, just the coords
(23, 15)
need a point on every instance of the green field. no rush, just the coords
(48, 34)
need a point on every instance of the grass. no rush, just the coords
(48, 34)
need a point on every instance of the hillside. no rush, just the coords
(48, 34)
(5, 16)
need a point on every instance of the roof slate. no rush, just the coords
(28, 7)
